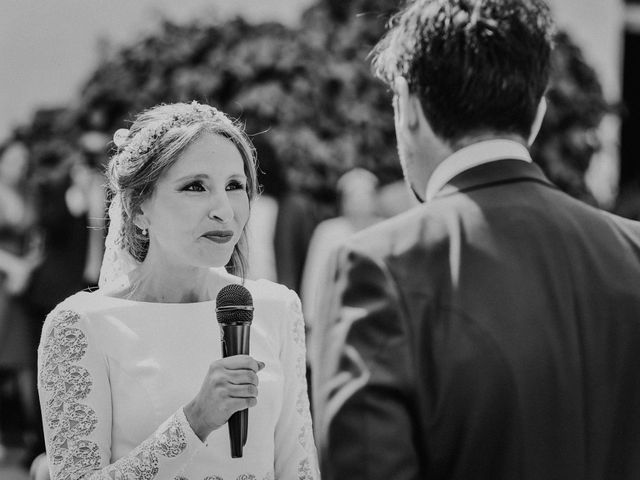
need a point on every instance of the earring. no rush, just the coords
(144, 232)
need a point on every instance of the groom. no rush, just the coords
(494, 331)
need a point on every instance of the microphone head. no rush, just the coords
(234, 304)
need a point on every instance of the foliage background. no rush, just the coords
(306, 94)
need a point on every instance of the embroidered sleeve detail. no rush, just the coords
(67, 441)
(301, 366)
(172, 441)
(295, 449)
(82, 456)
(298, 325)
(304, 437)
(302, 402)
(75, 395)
(303, 407)
(143, 463)
(76, 419)
(68, 420)
(305, 471)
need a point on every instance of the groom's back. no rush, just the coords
(525, 306)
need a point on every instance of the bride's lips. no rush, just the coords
(219, 236)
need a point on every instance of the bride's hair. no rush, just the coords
(153, 144)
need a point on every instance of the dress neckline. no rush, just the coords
(97, 293)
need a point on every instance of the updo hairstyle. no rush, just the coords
(153, 144)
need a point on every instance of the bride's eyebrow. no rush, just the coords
(197, 176)
(203, 176)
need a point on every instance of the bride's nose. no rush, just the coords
(220, 208)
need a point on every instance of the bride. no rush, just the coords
(131, 380)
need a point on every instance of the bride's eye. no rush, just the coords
(194, 187)
(236, 185)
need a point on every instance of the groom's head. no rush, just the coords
(473, 67)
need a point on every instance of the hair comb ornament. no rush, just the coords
(120, 136)
(143, 141)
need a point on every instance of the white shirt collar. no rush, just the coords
(473, 156)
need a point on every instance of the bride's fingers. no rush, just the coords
(242, 362)
(243, 377)
(242, 391)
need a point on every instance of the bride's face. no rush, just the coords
(199, 206)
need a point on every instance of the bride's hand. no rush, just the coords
(231, 385)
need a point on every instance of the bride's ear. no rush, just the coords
(142, 225)
(139, 219)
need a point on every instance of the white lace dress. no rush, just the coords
(114, 375)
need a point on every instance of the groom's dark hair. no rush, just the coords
(475, 65)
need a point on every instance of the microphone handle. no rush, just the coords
(238, 423)
(235, 341)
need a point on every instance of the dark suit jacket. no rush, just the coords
(493, 333)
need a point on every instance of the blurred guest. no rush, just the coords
(261, 229)
(394, 198)
(492, 332)
(86, 197)
(569, 136)
(71, 206)
(628, 202)
(261, 233)
(19, 255)
(298, 215)
(358, 207)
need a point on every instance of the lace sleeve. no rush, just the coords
(296, 457)
(75, 398)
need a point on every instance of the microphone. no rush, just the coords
(234, 312)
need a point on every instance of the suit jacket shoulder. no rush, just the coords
(500, 304)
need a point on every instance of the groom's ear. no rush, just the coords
(412, 126)
(405, 107)
(537, 122)
(410, 119)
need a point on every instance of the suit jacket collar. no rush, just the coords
(472, 156)
(499, 172)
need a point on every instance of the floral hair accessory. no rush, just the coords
(143, 141)
(120, 136)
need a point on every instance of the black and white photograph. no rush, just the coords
(320, 239)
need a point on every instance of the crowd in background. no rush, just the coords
(51, 240)
(325, 144)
